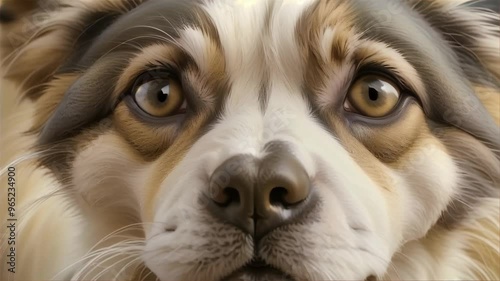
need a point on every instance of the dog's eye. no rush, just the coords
(372, 96)
(159, 94)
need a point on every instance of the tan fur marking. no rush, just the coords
(169, 160)
(363, 157)
(150, 140)
(323, 15)
(490, 98)
(480, 250)
(390, 141)
(311, 31)
(210, 70)
(422, 146)
(48, 51)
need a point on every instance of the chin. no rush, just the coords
(286, 140)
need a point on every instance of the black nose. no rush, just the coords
(258, 195)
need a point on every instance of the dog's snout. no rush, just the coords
(259, 195)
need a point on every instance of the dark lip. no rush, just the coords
(258, 270)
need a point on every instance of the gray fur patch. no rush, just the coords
(86, 101)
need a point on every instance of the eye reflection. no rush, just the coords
(372, 96)
(160, 97)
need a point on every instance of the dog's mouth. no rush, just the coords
(258, 270)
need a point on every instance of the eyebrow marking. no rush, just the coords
(202, 48)
(328, 29)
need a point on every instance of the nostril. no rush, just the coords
(229, 195)
(171, 229)
(233, 195)
(277, 196)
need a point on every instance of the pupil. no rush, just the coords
(162, 97)
(373, 94)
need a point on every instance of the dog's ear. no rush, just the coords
(38, 36)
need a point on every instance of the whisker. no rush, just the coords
(147, 275)
(21, 159)
(125, 267)
(123, 247)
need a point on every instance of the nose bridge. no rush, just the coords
(284, 107)
(276, 121)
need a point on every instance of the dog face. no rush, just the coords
(288, 140)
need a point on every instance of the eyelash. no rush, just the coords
(384, 71)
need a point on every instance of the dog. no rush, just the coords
(221, 140)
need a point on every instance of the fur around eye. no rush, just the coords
(372, 96)
(158, 94)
